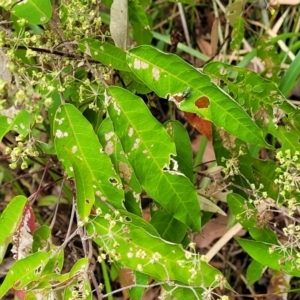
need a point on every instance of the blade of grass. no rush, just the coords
(289, 79)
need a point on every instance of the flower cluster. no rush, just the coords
(21, 152)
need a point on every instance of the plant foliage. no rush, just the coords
(76, 105)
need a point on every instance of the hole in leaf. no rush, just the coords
(127, 219)
(38, 270)
(232, 95)
(113, 181)
(223, 71)
(87, 201)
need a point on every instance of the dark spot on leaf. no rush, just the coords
(202, 102)
(127, 219)
(18, 283)
(113, 180)
(38, 270)
(87, 201)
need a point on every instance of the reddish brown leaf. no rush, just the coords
(28, 218)
(202, 126)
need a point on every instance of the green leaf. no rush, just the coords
(19, 123)
(254, 272)
(169, 76)
(79, 288)
(42, 241)
(290, 78)
(24, 271)
(277, 257)
(150, 149)
(183, 147)
(289, 138)
(267, 52)
(237, 34)
(10, 220)
(140, 23)
(79, 149)
(136, 293)
(169, 229)
(141, 249)
(263, 167)
(113, 148)
(107, 54)
(34, 11)
(254, 93)
(234, 11)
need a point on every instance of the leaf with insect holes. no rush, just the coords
(237, 34)
(24, 271)
(152, 153)
(113, 148)
(203, 126)
(79, 281)
(262, 100)
(169, 76)
(184, 151)
(81, 153)
(141, 248)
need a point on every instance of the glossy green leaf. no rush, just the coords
(106, 53)
(10, 220)
(113, 148)
(169, 228)
(237, 34)
(24, 271)
(279, 258)
(183, 147)
(169, 76)
(263, 167)
(152, 155)
(82, 155)
(34, 11)
(140, 248)
(19, 123)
